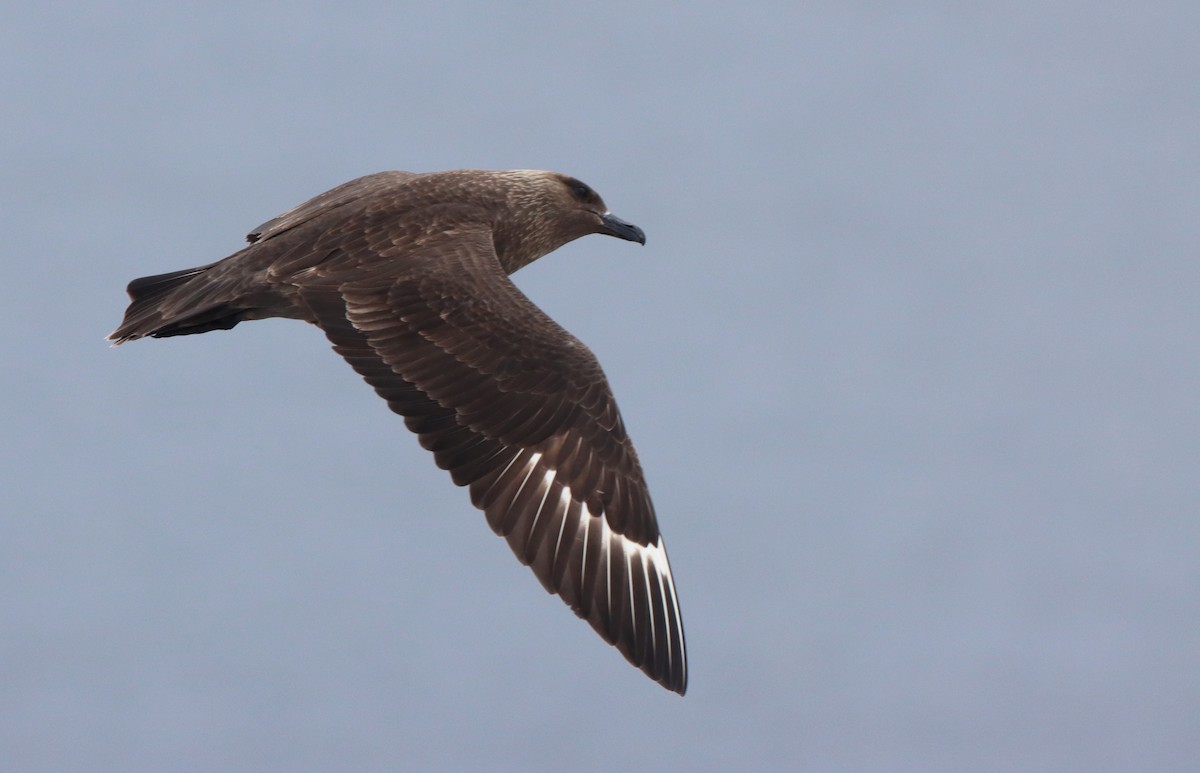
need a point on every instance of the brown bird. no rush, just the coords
(407, 275)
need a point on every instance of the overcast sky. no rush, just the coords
(910, 358)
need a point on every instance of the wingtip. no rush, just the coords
(674, 682)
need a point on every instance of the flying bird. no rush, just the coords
(408, 276)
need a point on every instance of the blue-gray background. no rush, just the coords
(910, 358)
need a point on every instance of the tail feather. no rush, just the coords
(160, 307)
(150, 287)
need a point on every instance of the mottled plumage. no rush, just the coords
(407, 275)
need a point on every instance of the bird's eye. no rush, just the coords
(581, 190)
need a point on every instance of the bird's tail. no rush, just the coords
(177, 303)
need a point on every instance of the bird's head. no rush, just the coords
(545, 210)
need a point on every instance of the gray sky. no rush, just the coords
(909, 358)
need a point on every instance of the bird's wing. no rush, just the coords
(519, 411)
(331, 199)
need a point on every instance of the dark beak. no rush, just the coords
(615, 226)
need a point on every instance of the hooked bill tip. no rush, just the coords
(615, 226)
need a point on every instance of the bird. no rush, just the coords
(407, 274)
